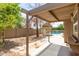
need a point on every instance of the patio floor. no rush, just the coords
(56, 50)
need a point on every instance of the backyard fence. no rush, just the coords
(19, 32)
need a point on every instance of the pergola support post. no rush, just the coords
(37, 30)
(67, 30)
(27, 35)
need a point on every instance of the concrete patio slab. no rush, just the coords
(56, 50)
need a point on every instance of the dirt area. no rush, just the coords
(17, 46)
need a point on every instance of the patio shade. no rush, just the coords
(53, 12)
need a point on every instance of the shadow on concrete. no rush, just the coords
(64, 51)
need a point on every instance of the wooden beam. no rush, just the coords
(37, 31)
(53, 15)
(24, 11)
(27, 36)
(41, 18)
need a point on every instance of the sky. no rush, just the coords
(27, 6)
(56, 24)
(30, 6)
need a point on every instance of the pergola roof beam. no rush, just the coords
(53, 15)
(27, 12)
(24, 11)
(41, 18)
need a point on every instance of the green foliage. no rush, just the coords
(60, 27)
(9, 15)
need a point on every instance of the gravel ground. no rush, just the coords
(17, 46)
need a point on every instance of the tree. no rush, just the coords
(9, 17)
(60, 27)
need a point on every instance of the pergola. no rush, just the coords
(54, 12)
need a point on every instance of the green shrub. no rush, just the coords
(60, 27)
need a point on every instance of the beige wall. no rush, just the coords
(67, 30)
